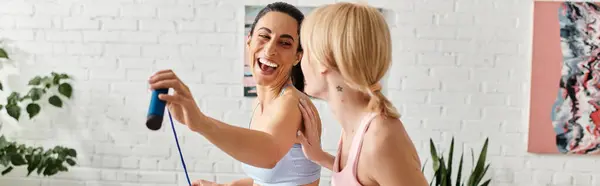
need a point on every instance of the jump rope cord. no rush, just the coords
(179, 149)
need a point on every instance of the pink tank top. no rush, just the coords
(347, 176)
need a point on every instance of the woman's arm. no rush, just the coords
(257, 148)
(242, 182)
(326, 161)
(310, 138)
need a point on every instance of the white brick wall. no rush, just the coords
(460, 69)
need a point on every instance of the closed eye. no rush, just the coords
(265, 36)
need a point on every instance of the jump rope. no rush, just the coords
(155, 119)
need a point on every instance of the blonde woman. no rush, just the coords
(347, 52)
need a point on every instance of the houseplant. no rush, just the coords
(443, 170)
(46, 162)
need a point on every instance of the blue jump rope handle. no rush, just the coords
(156, 110)
(155, 118)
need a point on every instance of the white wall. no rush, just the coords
(461, 68)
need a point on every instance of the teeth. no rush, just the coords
(268, 63)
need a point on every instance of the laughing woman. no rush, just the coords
(268, 149)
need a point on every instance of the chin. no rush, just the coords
(264, 80)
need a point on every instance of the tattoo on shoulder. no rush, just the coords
(339, 88)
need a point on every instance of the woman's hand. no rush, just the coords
(310, 137)
(180, 103)
(205, 183)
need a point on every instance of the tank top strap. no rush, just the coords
(283, 88)
(357, 141)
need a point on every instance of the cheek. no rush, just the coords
(256, 45)
(306, 70)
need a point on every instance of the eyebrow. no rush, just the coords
(282, 35)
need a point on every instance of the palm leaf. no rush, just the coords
(480, 175)
(443, 169)
(434, 175)
(444, 173)
(486, 182)
(424, 165)
(434, 156)
(450, 154)
(479, 168)
(460, 164)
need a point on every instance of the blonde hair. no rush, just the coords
(354, 40)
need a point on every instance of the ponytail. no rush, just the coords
(380, 104)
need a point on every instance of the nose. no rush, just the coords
(270, 48)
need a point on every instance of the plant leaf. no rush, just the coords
(70, 162)
(55, 79)
(486, 182)
(13, 111)
(450, 154)
(434, 156)
(37, 80)
(435, 175)
(56, 101)
(33, 109)
(64, 76)
(71, 152)
(5, 161)
(481, 174)
(17, 160)
(36, 159)
(444, 172)
(65, 89)
(424, 165)
(7, 170)
(42, 164)
(35, 93)
(3, 142)
(3, 54)
(476, 175)
(481, 163)
(460, 164)
(13, 98)
(1, 88)
(1, 107)
(472, 160)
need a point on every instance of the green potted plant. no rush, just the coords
(443, 169)
(45, 162)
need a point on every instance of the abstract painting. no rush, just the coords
(565, 87)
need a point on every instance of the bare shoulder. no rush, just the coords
(285, 110)
(386, 134)
(288, 101)
(293, 97)
(388, 151)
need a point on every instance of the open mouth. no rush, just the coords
(266, 66)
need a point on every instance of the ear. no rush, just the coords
(248, 38)
(298, 58)
(322, 68)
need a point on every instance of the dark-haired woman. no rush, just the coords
(269, 150)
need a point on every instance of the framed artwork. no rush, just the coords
(250, 14)
(565, 78)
